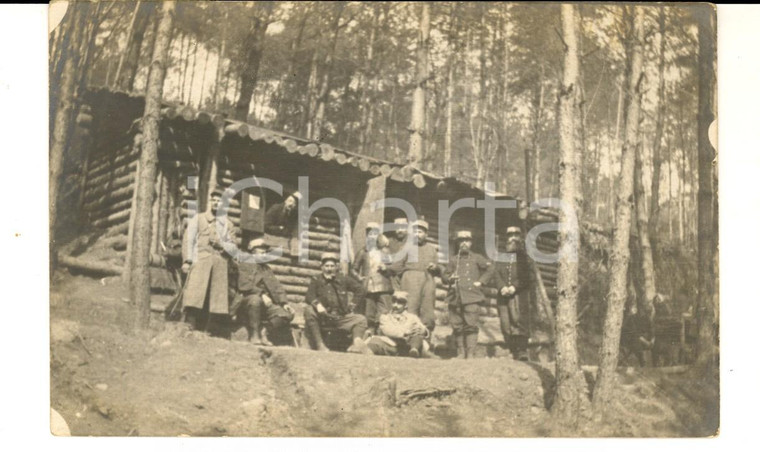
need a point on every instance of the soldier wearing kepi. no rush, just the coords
(401, 332)
(206, 297)
(417, 276)
(327, 300)
(465, 275)
(369, 268)
(511, 279)
(263, 298)
(396, 243)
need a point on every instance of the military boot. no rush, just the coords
(460, 347)
(471, 343)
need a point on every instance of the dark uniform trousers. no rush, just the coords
(420, 286)
(509, 315)
(464, 297)
(258, 313)
(355, 324)
(332, 294)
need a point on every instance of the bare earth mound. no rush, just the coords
(108, 380)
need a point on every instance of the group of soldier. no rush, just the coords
(392, 311)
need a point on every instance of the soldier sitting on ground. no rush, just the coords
(328, 307)
(263, 298)
(401, 333)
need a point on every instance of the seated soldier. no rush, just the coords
(262, 295)
(327, 300)
(402, 333)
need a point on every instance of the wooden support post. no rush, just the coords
(127, 275)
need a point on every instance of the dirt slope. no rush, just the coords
(107, 380)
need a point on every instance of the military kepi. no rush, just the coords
(401, 295)
(257, 243)
(329, 257)
(514, 230)
(463, 235)
(422, 224)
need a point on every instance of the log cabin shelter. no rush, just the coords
(202, 154)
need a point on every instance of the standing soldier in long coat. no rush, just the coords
(417, 277)
(327, 306)
(206, 296)
(263, 298)
(375, 299)
(512, 279)
(465, 275)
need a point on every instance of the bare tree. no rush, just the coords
(148, 167)
(417, 126)
(654, 209)
(64, 109)
(620, 253)
(254, 43)
(707, 195)
(568, 376)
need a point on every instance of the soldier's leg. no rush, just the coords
(457, 323)
(427, 305)
(470, 329)
(380, 347)
(254, 305)
(415, 346)
(356, 325)
(278, 324)
(312, 329)
(504, 324)
(519, 338)
(412, 283)
(370, 311)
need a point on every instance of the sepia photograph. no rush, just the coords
(383, 219)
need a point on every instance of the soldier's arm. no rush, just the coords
(487, 270)
(524, 275)
(279, 295)
(451, 268)
(311, 293)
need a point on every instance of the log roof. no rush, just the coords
(116, 101)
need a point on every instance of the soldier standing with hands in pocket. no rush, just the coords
(465, 275)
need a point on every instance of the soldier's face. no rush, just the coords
(513, 243)
(372, 235)
(290, 202)
(401, 233)
(398, 306)
(329, 268)
(420, 234)
(465, 245)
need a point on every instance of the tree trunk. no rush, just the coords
(192, 73)
(368, 73)
(128, 47)
(311, 97)
(64, 113)
(203, 76)
(220, 65)
(618, 123)
(140, 275)
(286, 85)
(254, 43)
(504, 179)
(654, 206)
(645, 249)
(620, 252)
(324, 87)
(568, 376)
(417, 126)
(535, 160)
(707, 207)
